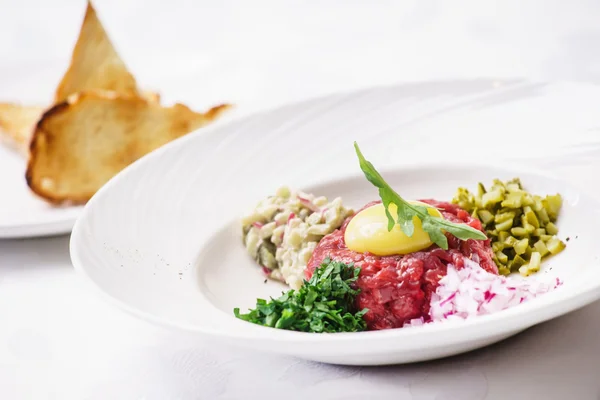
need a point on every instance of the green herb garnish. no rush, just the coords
(323, 304)
(434, 226)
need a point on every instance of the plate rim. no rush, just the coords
(57, 226)
(237, 114)
(576, 300)
(39, 230)
(60, 226)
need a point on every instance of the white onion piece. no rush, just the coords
(472, 291)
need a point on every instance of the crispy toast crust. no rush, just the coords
(95, 63)
(17, 123)
(82, 142)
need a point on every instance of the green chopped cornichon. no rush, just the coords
(434, 226)
(521, 226)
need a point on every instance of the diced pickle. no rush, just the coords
(463, 204)
(511, 241)
(491, 198)
(501, 257)
(504, 226)
(529, 228)
(537, 203)
(499, 185)
(551, 228)
(523, 220)
(513, 200)
(497, 247)
(518, 261)
(519, 231)
(504, 217)
(266, 255)
(485, 216)
(540, 247)
(521, 246)
(513, 187)
(535, 262)
(267, 259)
(553, 204)
(532, 218)
(543, 216)
(539, 232)
(480, 190)
(503, 271)
(555, 245)
(521, 226)
(517, 181)
(524, 270)
(495, 259)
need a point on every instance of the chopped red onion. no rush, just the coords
(308, 204)
(291, 217)
(472, 291)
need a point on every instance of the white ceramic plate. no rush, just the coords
(22, 214)
(161, 239)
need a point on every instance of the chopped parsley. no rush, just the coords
(323, 304)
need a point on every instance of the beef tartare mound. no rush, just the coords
(400, 263)
(398, 288)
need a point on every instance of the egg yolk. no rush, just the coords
(368, 231)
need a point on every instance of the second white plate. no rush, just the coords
(22, 214)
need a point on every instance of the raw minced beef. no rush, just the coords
(397, 289)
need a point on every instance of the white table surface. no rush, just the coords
(59, 341)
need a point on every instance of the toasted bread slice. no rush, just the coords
(17, 123)
(80, 144)
(95, 64)
(151, 96)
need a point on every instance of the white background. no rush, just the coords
(58, 341)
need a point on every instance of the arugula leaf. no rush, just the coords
(434, 226)
(323, 304)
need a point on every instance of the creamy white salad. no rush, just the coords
(283, 230)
